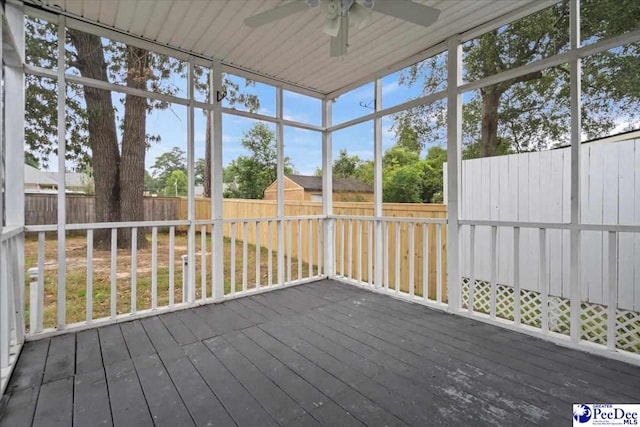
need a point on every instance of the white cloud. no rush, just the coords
(390, 88)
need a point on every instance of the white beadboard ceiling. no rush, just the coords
(294, 49)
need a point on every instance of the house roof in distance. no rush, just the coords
(36, 177)
(347, 185)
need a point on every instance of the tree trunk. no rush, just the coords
(103, 139)
(207, 156)
(134, 147)
(490, 102)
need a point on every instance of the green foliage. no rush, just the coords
(472, 150)
(30, 159)
(252, 174)
(533, 110)
(398, 156)
(168, 162)
(151, 185)
(403, 184)
(176, 184)
(345, 166)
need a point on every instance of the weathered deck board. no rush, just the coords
(316, 354)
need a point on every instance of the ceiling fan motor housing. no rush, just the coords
(333, 9)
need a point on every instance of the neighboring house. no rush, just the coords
(75, 182)
(36, 181)
(309, 188)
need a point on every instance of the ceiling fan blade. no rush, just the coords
(271, 15)
(408, 11)
(339, 44)
(359, 15)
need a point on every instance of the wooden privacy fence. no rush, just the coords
(42, 209)
(359, 232)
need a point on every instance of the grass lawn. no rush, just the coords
(76, 274)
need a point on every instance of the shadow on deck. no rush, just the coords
(322, 353)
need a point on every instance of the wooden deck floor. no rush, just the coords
(322, 353)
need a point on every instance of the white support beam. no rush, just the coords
(377, 182)
(191, 203)
(12, 55)
(454, 147)
(327, 190)
(280, 186)
(576, 130)
(62, 197)
(4, 294)
(217, 262)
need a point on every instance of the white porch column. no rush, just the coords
(280, 186)
(217, 242)
(327, 191)
(191, 203)
(576, 129)
(454, 139)
(14, 154)
(377, 185)
(1, 141)
(14, 120)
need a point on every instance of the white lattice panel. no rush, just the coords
(504, 302)
(530, 308)
(482, 297)
(628, 330)
(594, 323)
(559, 315)
(593, 317)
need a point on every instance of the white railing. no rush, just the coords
(153, 275)
(413, 261)
(506, 271)
(11, 300)
(517, 275)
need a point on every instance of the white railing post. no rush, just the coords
(377, 185)
(327, 191)
(40, 300)
(516, 275)
(33, 298)
(576, 130)
(612, 296)
(185, 276)
(472, 268)
(280, 186)
(191, 202)
(5, 343)
(217, 236)
(454, 135)
(543, 280)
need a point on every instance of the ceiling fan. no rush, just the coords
(339, 13)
